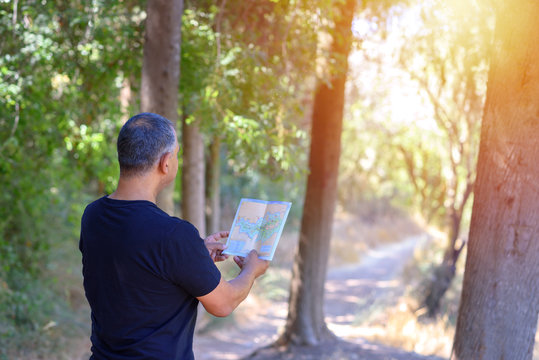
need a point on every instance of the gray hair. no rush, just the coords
(142, 141)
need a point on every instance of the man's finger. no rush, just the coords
(218, 236)
(240, 261)
(217, 246)
(221, 257)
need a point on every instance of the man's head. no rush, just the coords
(142, 142)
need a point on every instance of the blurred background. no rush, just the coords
(70, 76)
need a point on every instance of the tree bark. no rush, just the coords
(193, 179)
(161, 69)
(500, 298)
(214, 187)
(305, 323)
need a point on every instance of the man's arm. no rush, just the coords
(229, 294)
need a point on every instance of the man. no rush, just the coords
(145, 271)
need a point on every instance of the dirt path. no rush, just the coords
(352, 293)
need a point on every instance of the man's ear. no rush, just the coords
(163, 163)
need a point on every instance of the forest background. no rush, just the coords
(70, 76)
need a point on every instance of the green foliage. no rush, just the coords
(240, 93)
(62, 67)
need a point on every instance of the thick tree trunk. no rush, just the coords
(193, 179)
(161, 69)
(500, 299)
(214, 187)
(305, 324)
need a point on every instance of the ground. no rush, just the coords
(352, 291)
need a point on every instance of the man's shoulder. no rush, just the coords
(144, 213)
(94, 205)
(183, 226)
(126, 210)
(107, 202)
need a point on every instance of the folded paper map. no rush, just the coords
(258, 225)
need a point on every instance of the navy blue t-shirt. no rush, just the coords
(143, 270)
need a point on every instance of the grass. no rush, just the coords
(53, 311)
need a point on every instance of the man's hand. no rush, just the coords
(229, 294)
(215, 247)
(251, 261)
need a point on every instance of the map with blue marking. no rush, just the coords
(258, 225)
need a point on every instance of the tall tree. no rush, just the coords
(161, 69)
(500, 299)
(305, 323)
(193, 178)
(213, 189)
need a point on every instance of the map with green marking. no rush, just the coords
(258, 225)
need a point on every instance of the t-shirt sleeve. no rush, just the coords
(187, 262)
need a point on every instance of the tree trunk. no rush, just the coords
(305, 324)
(161, 69)
(444, 273)
(125, 100)
(500, 298)
(193, 179)
(214, 188)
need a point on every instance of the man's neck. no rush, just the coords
(135, 188)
